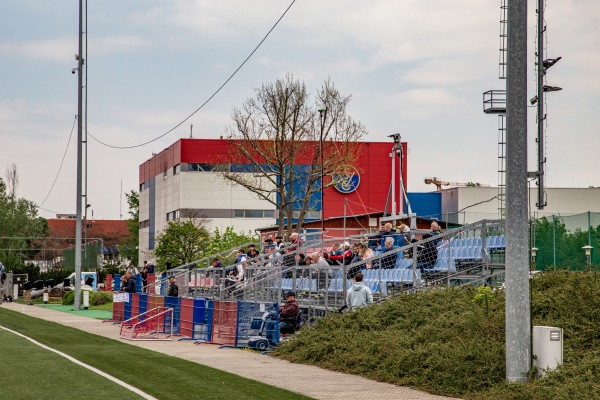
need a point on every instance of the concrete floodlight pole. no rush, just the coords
(518, 329)
(77, 300)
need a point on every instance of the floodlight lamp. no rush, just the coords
(588, 250)
(551, 88)
(533, 100)
(550, 62)
(395, 137)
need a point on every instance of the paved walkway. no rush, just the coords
(305, 379)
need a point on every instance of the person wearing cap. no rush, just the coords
(360, 295)
(173, 288)
(288, 313)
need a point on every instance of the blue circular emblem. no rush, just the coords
(348, 181)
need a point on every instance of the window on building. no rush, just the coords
(239, 213)
(269, 213)
(176, 169)
(199, 167)
(173, 215)
(310, 214)
(144, 224)
(254, 213)
(142, 186)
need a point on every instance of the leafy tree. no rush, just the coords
(19, 225)
(183, 241)
(229, 239)
(277, 136)
(129, 245)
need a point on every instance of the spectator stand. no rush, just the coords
(466, 255)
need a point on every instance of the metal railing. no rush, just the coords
(471, 254)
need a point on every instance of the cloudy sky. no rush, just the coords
(414, 67)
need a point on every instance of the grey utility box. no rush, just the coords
(547, 348)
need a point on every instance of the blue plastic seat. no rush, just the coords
(501, 242)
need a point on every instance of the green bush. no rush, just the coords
(96, 298)
(69, 298)
(443, 342)
(99, 298)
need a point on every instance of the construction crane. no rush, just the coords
(439, 183)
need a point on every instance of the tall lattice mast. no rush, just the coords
(494, 102)
(539, 99)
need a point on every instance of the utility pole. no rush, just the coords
(518, 319)
(79, 57)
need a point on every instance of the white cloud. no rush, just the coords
(421, 103)
(64, 49)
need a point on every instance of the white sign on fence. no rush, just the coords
(121, 298)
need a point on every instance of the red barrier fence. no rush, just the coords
(155, 301)
(108, 283)
(118, 311)
(224, 323)
(187, 317)
(135, 305)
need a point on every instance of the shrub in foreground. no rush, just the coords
(451, 341)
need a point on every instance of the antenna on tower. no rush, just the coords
(191, 130)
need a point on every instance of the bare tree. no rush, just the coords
(281, 145)
(12, 181)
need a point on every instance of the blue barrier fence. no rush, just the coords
(257, 325)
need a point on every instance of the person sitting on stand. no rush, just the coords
(389, 261)
(288, 314)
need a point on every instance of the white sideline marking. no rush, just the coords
(76, 361)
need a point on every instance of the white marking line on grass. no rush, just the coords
(76, 361)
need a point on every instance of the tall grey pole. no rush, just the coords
(77, 301)
(518, 333)
(540, 105)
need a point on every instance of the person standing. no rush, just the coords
(132, 269)
(128, 282)
(173, 288)
(360, 295)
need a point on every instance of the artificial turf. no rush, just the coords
(159, 375)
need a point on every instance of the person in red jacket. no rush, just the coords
(345, 257)
(288, 314)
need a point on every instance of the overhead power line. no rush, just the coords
(59, 168)
(207, 100)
